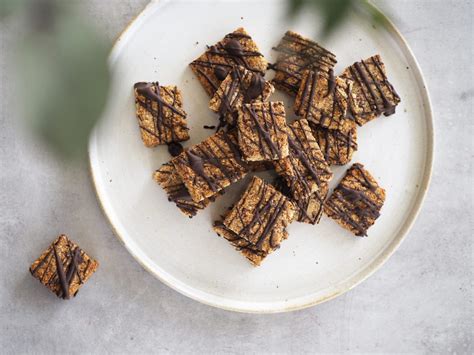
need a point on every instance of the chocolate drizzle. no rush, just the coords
(356, 201)
(215, 163)
(66, 266)
(267, 222)
(378, 95)
(241, 86)
(336, 146)
(219, 58)
(297, 54)
(164, 124)
(256, 117)
(328, 111)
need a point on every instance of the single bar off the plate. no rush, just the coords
(356, 202)
(168, 178)
(305, 169)
(63, 267)
(336, 146)
(295, 55)
(210, 166)
(323, 100)
(160, 114)
(239, 87)
(262, 131)
(261, 216)
(236, 48)
(372, 93)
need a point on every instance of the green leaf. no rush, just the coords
(8, 7)
(64, 82)
(334, 12)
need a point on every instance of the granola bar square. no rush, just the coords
(239, 87)
(168, 178)
(305, 168)
(63, 267)
(210, 166)
(262, 131)
(236, 48)
(160, 114)
(323, 100)
(295, 55)
(356, 202)
(337, 147)
(261, 216)
(372, 93)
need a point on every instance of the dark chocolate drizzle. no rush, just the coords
(358, 202)
(264, 143)
(375, 98)
(291, 63)
(308, 106)
(220, 152)
(265, 217)
(164, 127)
(65, 270)
(224, 55)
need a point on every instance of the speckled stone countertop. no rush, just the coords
(419, 301)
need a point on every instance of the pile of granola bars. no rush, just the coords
(253, 134)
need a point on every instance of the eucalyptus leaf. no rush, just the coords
(64, 82)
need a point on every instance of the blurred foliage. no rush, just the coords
(334, 12)
(63, 78)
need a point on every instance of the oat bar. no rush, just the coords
(296, 54)
(356, 202)
(160, 114)
(262, 131)
(305, 169)
(210, 166)
(261, 216)
(323, 99)
(240, 86)
(63, 267)
(236, 48)
(168, 178)
(372, 93)
(337, 147)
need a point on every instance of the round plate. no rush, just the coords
(316, 263)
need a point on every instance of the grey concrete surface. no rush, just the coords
(419, 302)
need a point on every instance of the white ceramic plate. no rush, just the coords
(316, 263)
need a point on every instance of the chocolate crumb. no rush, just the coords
(175, 149)
(209, 127)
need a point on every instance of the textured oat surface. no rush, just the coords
(262, 131)
(356, 201)
(160, 114)
(372, 93)
(336, 146)
(240, 86)
(210, 166)
(324, 100)
(168, 178)
(261, 215)
(418, 302)
(63, 267)
(296, 54)
(236, 48)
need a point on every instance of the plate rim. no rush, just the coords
(274, 307)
